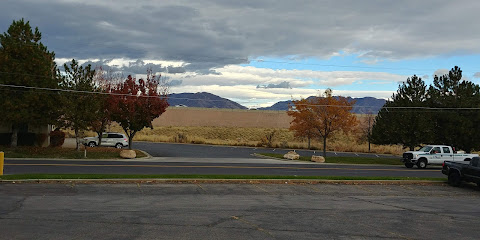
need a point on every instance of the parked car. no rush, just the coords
(109, 139)
(434, 154)
(460, 171)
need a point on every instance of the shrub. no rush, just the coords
(268, 138)
(57, 138)
(26, 139)
(181, 138)
(284, 144)
(5, 138)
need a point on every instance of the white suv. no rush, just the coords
(111, 139)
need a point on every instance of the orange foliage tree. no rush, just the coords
(303, 120)
(322, 116)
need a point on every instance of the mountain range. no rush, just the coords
(208, 100)
(202, 100)
(362, 105)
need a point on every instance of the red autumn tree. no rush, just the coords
(104, 80)
(134, 104)
(323, 116)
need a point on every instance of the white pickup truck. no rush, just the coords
(434, 154)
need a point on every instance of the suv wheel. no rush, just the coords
(92, 144)
(118, 145)
(422, 163)
(454, 179)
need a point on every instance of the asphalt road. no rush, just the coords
(214, 151)
(237, 211)
(235, 166)
(219, 160)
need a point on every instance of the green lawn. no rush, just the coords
(64, 153)
(346, 160)
(180, 176)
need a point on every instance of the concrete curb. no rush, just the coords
(281, 159)
(224, 181)
(86, 159)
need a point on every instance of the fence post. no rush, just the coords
(2, 155)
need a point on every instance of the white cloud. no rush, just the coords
(297, 78)
(440, 72)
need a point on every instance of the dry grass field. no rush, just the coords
(243, 128)
(215, 117)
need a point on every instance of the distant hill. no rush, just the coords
(362, 105)
(208, 100)
(202, 100)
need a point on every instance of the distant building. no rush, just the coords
(27, 135)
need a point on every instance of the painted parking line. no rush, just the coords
(217, 166)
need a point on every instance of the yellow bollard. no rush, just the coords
(1, 163)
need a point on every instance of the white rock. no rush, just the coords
(130, 154)
(291, 155)
(319, 159)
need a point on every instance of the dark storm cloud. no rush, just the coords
(133, 67)
(173, 83)
(284, 84)
(172, 69)
(215, 33)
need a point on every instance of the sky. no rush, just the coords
(259, 52)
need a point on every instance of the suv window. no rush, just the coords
(114, 135)
(446, 150)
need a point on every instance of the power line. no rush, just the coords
(214, 100)
(76, 91)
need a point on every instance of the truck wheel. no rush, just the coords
(467, 160)
(409, 165)
(92, 144)
(422, 163)
(454, 179)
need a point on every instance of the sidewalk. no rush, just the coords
(69, 143)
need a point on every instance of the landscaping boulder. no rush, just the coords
(319, 159)
(292, 155)
(129, 154)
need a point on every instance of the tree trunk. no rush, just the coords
(130, 139)
(100, 138)
(369, 145)
(309, 138)
(14, 139)
(325, 147)
(77, 140)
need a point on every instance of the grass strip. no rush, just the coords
(194, 176)
(64, 153)
(345, 160)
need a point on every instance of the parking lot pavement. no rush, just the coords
(238, 211)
